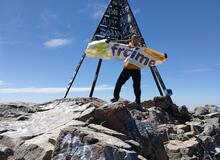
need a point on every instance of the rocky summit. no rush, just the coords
(92, 129)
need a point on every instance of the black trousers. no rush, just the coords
(124, 76)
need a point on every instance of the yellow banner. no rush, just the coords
(139, 56)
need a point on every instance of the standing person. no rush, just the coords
(130, 70)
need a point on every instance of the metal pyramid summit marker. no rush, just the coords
(118, 23)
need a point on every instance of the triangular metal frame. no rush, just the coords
(118, 23)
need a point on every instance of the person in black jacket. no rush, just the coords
(130, 70)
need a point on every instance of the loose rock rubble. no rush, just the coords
(92, 129)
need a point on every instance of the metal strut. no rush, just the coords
(95, 78)
(156, 81)
(75, 74)
(160, 84)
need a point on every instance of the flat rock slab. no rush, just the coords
(42, 122)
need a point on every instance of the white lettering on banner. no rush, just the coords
(140, 56)
(135, 57)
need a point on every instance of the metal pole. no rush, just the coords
(75, 74)
(156, 81)
(159, 77)
(96, 77)
(156, 72)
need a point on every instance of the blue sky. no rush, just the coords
(41, 43)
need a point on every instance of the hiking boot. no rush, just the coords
(138, 101)
(114, 100)
(134, 105)
(140, 108)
